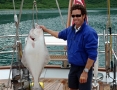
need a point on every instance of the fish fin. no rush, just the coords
(37, 86)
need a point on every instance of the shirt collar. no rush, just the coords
(77, 29)
(81, 27)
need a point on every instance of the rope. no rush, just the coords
(17, 35)
(14, 7)
(35, 8)
(17, 21)
(33, 17)
(63, 23)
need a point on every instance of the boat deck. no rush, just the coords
(57, 84)
(49, 84)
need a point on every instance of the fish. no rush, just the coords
(35, 54)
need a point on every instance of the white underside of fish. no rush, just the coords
(35, 56)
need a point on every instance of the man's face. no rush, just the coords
(78, 18)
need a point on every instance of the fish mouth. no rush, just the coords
(32, 38)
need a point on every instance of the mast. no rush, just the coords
(69, 13)
(113, 62)
(108, 43)
(110, 32)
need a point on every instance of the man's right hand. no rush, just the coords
(43, 28)
(52, 32)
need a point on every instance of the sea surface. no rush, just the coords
(97, 18)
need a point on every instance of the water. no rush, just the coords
(50, 18)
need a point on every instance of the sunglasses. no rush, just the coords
(77, 15)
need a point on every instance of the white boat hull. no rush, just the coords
(56, 73)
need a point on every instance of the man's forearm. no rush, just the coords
(89, 64)
(53, 33)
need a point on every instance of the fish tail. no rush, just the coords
(37, 86)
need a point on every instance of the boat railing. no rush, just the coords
(25, 35)
(53, 57)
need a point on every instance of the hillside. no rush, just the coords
(7, 4)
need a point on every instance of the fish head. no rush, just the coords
(35, 33)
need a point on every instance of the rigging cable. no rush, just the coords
(63, 23)
(17, 21)
(17, 37)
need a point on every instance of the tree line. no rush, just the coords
(8, 4)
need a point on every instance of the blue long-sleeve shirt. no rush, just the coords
(81, 45)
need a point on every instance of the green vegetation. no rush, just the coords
(7, 4)
(100, 3)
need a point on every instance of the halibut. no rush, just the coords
(35, 54)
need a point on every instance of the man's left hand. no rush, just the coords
(83, 77)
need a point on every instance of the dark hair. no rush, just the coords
(79, 7)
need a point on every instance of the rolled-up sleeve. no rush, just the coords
(91, 44)
(63, 34)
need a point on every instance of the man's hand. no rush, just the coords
(43, 28)
(52, 32)
(83, 77)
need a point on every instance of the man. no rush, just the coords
(82, 44)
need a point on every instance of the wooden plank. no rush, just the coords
(50, 85)
(107, 87)
(53, 66)
(58, 57)
(59, 84)
(104, 86)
